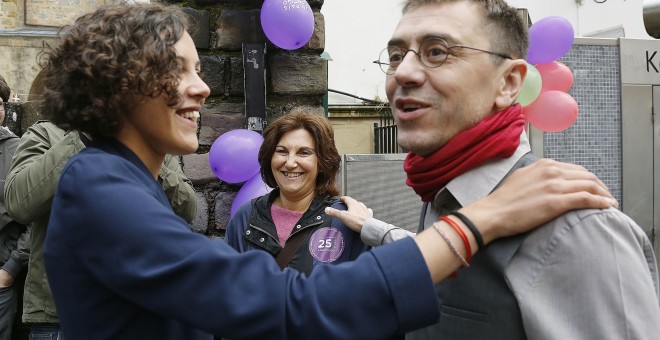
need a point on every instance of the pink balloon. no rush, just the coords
(253, 188)
(289, 24)
(552, 111)
(233, 156)
(556, 77)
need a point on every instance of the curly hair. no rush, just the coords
(508, 32)
(109, 60)
(4, 90)
(324, 139)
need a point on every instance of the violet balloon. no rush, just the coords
(549, 39)
(552, 111)
(233, 156)
(253, 188)
(289, 24)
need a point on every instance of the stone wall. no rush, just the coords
(11, 13)
(293, 78)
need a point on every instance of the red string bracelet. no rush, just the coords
(461, 233)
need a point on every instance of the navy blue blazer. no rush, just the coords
(122, 265)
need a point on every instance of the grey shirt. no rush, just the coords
(588, 274)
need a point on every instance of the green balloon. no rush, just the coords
(531, 86)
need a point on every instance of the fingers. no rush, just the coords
(355, 216)
(548, 169)
(536, 194)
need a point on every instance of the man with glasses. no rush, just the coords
(454, 69)
(14, 237)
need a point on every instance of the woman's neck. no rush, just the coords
(300, 204)
(135, 142)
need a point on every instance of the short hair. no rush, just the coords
(4, 90)
(324, 143)
(510, 34)
(107, 61)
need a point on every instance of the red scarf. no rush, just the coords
(497, 136)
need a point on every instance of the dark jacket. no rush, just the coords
(43, 151)
(252, 228)
(14, 237)
(122, 265)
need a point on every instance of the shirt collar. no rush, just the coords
(480, 181)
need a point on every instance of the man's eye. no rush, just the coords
(435, 52)
(396, 57)
(281, 152)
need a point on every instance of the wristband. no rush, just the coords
(461, 233)
(473, 229)
(451, 245)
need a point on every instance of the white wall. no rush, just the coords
(357, 30)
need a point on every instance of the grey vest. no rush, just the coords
(478, 303)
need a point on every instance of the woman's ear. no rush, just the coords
(513, 78)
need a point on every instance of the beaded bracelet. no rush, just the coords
(475, 232)
(451, 245)
(461, 233)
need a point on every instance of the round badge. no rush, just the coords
(326, 244)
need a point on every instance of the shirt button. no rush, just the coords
(247, 232)
(298, 226)
(262, 239)
(318, 217)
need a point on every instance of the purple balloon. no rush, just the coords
(549, 39)
(288, 24)
(253, 188)
(233, 156)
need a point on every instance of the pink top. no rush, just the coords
(284, 220)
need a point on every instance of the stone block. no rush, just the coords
(201, 222)
(298, 74)
(213, 73)
(222, 212)
(196, 168)
(317, 41)
(235, 27)
(237, 81)
(218, 119)
(199, 26)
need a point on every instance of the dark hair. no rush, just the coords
(326, 151)
(4, 90)
(509, 34)
(107, 61)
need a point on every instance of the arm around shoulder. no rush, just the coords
(376, 232)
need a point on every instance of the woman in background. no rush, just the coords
(299, 159)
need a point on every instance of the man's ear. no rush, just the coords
(513, 77)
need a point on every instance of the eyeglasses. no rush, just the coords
(432, 53)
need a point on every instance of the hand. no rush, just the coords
(536, 194)
(6, 279)
(355, 216)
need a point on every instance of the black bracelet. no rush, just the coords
(473, 229)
